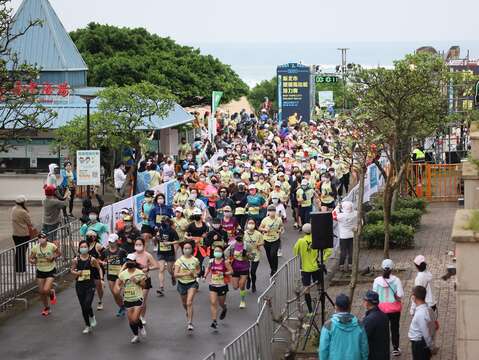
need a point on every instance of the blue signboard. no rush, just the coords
(294, 93)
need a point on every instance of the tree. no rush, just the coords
(266, 88)
(20, 115)
(124, 120)
(123, 56)
(402, 104)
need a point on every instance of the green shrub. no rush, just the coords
(403, 203)
(407, 216)
(402, 236)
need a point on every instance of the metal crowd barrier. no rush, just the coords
(211, 356)
(18, 276)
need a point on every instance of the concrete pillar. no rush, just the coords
(467, 287)
(169, 141)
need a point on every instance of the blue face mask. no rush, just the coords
(83, 250)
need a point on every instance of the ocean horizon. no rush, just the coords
(255, 62)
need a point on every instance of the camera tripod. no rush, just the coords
(321, 304)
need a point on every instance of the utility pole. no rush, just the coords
(344, 53)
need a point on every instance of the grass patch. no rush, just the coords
(474, 222)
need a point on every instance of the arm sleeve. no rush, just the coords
(400, 290)
(83, 229)
(324, 343)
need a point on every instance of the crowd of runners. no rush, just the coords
(224, 217)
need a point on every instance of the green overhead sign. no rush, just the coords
(326, 79)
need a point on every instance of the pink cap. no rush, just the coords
(418, 260)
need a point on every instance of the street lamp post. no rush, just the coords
(343, 71)
(87, 94)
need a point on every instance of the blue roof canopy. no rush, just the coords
(48, 46)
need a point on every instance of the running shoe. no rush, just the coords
(99, 306)
(242, 304)
(53, 297)
(214, 325)
(160, 292)
(120, 312)
(223, 313)
(155, 248)
(173, 281)
(92, 322)
(280, 253)
(143, 332)
(86, 330)
(45, 311)
(253, 288)
(191, 327)
(135, 339)
(396, 352)
(142, 319)
(295, 225)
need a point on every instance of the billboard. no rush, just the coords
(88, 167)
(294, 93)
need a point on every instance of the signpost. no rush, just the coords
(294, 93)
(88, 167)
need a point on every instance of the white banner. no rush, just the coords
(88, 167)
(106, 217)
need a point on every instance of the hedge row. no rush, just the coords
(404, 222)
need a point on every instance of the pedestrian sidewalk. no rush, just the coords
(433, 240)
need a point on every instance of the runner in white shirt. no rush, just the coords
(424, 278)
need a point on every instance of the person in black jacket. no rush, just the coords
(376, 324)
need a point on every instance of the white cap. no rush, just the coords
(252, 186)
(387, 264)
(113, 238)
(280, 173)
(20, 199)
(268, 164)
(307, 228)
(131, 257)
(197, 211)
(90, 232)
(191, 167)
(125, 211)
(418, 260)
(179, 209)
(247, 165)
(277, 183)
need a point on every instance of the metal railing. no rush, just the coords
(18, 276)
(211, 356)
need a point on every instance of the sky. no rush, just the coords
(245, 21)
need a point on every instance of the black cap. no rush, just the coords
(342, 301)
(371, 297)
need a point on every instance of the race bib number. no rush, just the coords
(239, 211)
(84, 275)
(254, 210)
(164, 247)
(114, 269)
(218, 278)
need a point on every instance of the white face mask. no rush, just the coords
(92, 217)
(251, 227)
(139, 248)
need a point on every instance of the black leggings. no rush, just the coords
(343, 184)
(72, 199)
(253, 268)
(271, 249)
(85, 295)
(21, 247)
(346, 247)
(394, 325)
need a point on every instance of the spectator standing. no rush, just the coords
(347, 220)
(119, 178)
(52, 211)
(390, 291)
(69, 182)
(343, 337)
(424, 278)
(422, 329)
(183, 150)
(22, 231)
(376, 324)
(169, 170)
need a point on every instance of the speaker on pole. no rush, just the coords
(322, 230)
